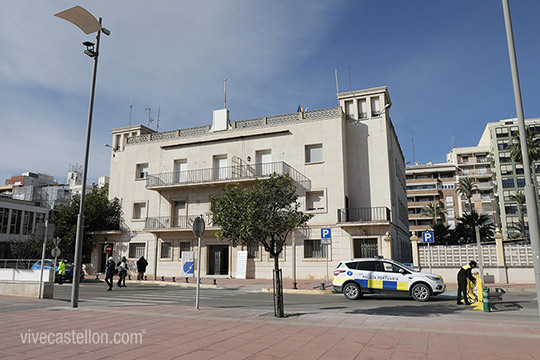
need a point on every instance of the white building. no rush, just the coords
(346, 162)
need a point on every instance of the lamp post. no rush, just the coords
(88, 24)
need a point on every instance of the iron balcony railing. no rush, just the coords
(181, 222)
(380, 213)
(226, 174)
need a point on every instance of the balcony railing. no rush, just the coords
(226, 174)
(180, 222)
(368, 214)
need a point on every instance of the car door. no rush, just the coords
(396, 279)
(368, 275)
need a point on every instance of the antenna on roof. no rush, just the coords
(413, 155)
(225, 93)
(350, 83)
(130, 112)
(149, 109)
(157, 122)
(337, 85)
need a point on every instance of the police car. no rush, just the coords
(377, 275)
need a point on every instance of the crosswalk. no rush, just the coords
(179, 297)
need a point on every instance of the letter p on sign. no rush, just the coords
(428, 237)
(326, 233)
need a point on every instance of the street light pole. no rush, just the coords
(530, 192)
(87, 23)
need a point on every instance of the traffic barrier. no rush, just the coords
(487, 307)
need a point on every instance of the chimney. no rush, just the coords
(221, 120)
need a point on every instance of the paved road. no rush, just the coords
(515, 306)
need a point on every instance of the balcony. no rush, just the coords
(163, 223)
(224, 175)
(364, 215)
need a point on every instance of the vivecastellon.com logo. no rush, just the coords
(81, 337)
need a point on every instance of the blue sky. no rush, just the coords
(445, 64)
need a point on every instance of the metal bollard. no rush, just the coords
(187, 280)
(173, 279)
(485, 300)
(163, 278)
(323, 286)
(215, 283)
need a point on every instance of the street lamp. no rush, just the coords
(88, 24)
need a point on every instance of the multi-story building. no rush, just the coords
(346, 163)
(509, 175)
(431, 183)
(474, 163)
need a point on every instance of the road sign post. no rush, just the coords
(428, 237)
(326, 240)
(198, 230)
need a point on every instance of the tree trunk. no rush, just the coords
(278, 289)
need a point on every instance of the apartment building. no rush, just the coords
(431, 183)
(346, 163)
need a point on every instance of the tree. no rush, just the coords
(443, 234)
(467, 224)
(533, 146)
(265, 213)
(519, 198)
(466, 187)
(434, 211)
(100, 214)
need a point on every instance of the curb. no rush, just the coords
(166, 283)
(301, 291)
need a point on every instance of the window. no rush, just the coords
(139, 210)
(482, 171)
(315, 200)
(514, 131)
(502, 144)
(220, 167)
(314, 153)
(369, 266)
(142, 171)
(4, 219)
(375, 106)
(136, 250)
(508, 183)
(253, 250)
(450, 212)
(451, 223)
(501, 132)
(184, 246)
(449, 200)
(349, 109)
(16, 217)
(487, 207)
(519, 169)
(314, 250)
(166, 250)
(510, 209)
(28, 220)
(362, 109)
(520, 182)
(464, 159)
(507, 169)
(507, 195)
(389, 267)
(504, 157)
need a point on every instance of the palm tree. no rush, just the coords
(466, 187)
(533, 145)
(433, 211)
(519, 198)
(467, 225)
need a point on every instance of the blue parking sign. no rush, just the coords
(428, 237)
(326, 233)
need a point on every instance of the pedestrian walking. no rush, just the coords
(122, 272)
(141, 268)
(61, 271)
(465, 273)
(109, 273)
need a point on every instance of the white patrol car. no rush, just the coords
(377, 275)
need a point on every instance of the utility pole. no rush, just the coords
(530, 192)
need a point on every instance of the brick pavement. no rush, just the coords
(179, 332)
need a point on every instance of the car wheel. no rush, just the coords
(421, 292)
(352, 291)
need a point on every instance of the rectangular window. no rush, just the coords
(514, 131)
(349, 109)
(314, 250)
(220, 167)
(449, 200)
(507, 169)
(28, 218)
(4, 219)
(184, 246)
(315, 200)
(487, 207)
(501, 132)
(450, 213)
(314, 153)
(464, 159)
(16, 218)
(136, 250)
(507, 183)
(519, 169)
(142, 171)
(139, 210)
(520, 182)
(504, 157)
(451, 223)
(117, 142)
(375, 106)
(502, 144)
(253, 250)
(510, 209)
(362, 109)
(166, 250)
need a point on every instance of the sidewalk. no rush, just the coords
(302, 286)
(179, 332)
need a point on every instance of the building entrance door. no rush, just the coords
(218, 259)
(365, 248)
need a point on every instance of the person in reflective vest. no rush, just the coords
(61, 271)
(465, 273)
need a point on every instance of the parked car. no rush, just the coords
(49, 264)
(377, 275)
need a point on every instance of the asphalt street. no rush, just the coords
(518, 306)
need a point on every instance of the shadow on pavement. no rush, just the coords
(427, 309)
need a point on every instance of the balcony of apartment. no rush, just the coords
(477, 174)
(484, 185)
(176, 223)
(366, 215)
(224, 175)
(423, 203)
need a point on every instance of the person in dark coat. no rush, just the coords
(141, 268)
(465, 273)
(109, 273)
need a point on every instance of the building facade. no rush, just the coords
(346, 163)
